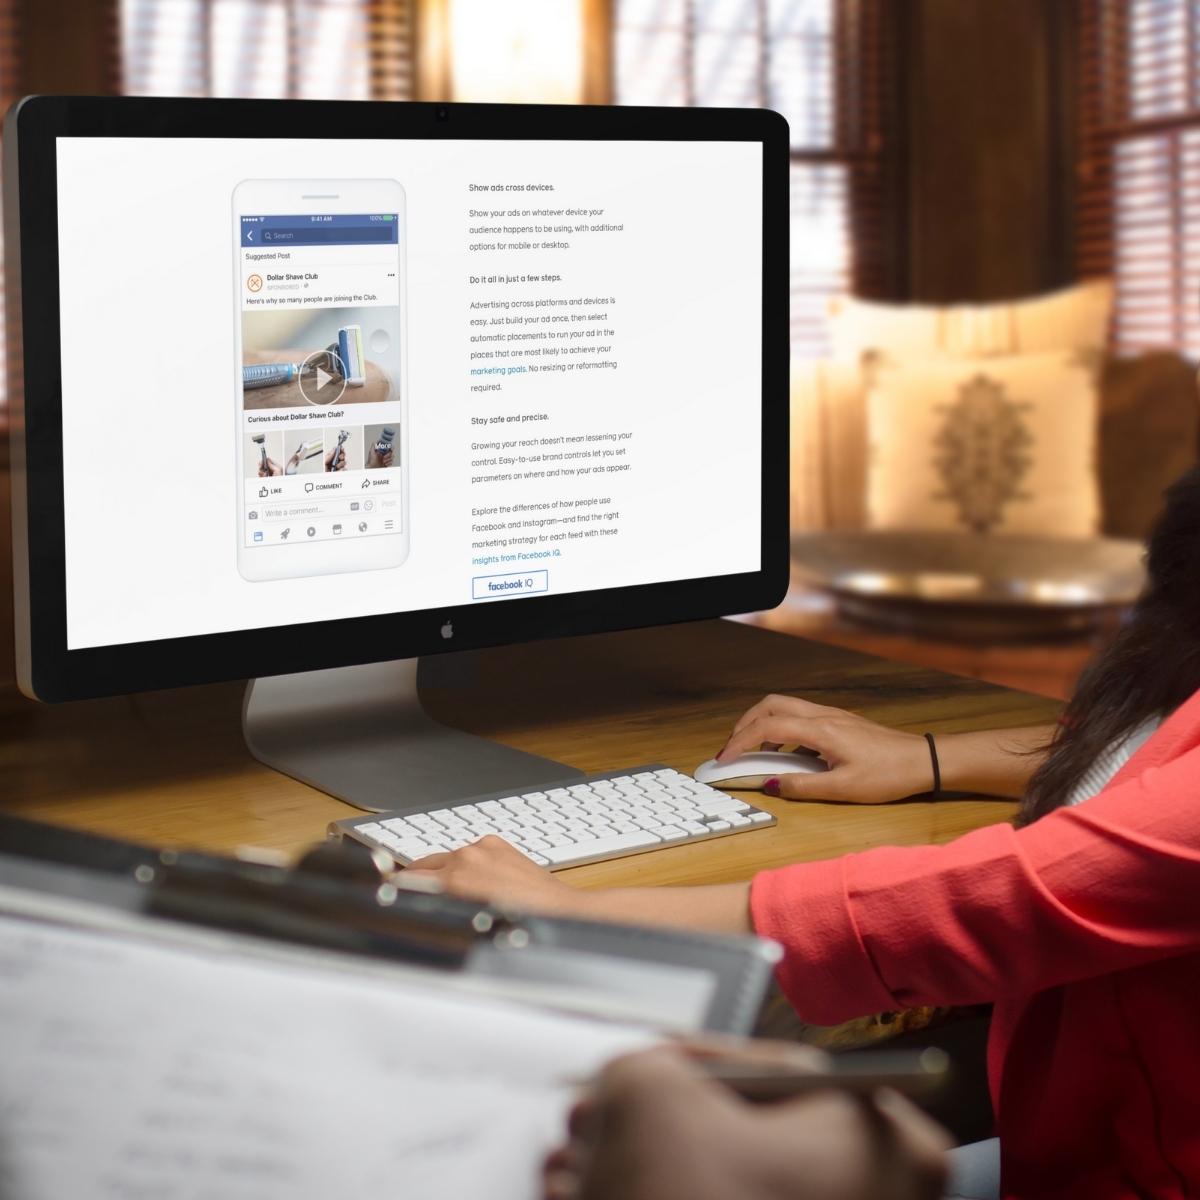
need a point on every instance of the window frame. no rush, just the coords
(1109, 134)
(864, 35)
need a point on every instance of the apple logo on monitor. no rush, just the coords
(448, 629)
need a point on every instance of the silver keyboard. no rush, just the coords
(579, 821)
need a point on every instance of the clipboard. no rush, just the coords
(333, 903)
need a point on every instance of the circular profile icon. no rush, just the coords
(317, 385)
(254, 283)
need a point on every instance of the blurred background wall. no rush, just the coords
(953, 161)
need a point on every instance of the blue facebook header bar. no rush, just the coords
(321, 229)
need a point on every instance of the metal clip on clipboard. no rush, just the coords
(334, 901)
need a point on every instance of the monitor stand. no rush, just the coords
(361, 734)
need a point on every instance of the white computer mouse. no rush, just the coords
(748, 772)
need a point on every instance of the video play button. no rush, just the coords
(317, 385)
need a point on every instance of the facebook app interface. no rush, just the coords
(449, 372)
(321, 414)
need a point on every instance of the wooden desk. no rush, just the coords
(171, 767)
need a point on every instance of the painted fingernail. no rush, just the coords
(722, 750)
(771, 787)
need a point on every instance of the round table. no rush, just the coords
(967, 587)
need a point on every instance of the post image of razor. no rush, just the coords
(304, 451)
(342, 359)
(337, 460)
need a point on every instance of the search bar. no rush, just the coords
(358, 235)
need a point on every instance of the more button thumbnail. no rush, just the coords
(524, 583)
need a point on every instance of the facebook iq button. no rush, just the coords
(521, 583)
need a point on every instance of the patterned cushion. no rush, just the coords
(1004, 445)
(1075, 318)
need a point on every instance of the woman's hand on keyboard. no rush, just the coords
(869, 763)
(492, 870)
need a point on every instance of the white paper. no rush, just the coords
(131, 1070)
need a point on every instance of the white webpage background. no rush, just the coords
(149, 424)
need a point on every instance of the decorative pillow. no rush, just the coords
(1074, 318)
(1005, 445)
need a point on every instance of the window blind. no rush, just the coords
(819, 62)
(289, 49)
(1138, 198)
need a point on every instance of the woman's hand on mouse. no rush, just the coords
(868, 763)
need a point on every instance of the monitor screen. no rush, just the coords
(312, 380)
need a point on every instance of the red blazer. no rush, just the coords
(1083, 929)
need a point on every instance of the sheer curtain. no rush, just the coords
(301, 49)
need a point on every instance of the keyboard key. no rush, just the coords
(726, 804)
(412, 850)
(759, 817)
(718, 826)
(671, 833)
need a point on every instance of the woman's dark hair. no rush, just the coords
(1150, 668)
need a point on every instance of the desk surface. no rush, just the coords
(171, 767)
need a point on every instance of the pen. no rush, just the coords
(913, 1073)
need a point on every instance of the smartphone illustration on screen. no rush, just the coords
(320, 388)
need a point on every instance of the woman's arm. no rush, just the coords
(992, 762)
(869, 763)
(494, 871)
(872, 764)
(1085, 891)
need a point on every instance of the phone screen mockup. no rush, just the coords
(321, 428)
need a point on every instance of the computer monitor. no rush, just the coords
(310, 388)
